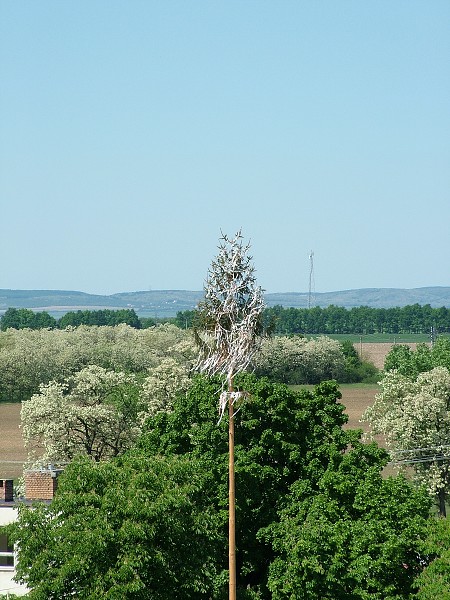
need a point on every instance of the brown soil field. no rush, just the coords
(13, 454)
(356, 399)
(376, 352)
(12, 450)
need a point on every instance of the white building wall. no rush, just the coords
(8, 514)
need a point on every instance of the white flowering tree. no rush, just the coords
(162, 385)
(300, 360)
(29, 358)
(414, 415)
(94, 412)
(228, 333)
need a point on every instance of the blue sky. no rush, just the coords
(132, 132)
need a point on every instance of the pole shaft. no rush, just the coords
(232, 501)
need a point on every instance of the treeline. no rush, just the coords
(354, 321)
(360, 320)
(24, 318)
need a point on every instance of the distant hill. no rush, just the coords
(166, 303)
(372, 297)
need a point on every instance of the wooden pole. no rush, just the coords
(231, 500)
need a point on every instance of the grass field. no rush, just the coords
(387, 338)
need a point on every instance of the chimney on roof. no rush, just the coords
(41, 484)
(6, 490)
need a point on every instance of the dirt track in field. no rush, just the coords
(356, 400)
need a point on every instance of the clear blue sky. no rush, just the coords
(132, 132)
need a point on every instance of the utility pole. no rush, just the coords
(311, 279)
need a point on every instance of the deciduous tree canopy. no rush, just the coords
(315, 519)
(136, 528)
(300, 360)
(291, 450)
(31, 358)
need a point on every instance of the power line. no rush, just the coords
(421, 459)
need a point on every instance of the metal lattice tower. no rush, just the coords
(311, 280)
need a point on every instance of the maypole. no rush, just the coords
(228, 332)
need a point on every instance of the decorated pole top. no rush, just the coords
(230, 316)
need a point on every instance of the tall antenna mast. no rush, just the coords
(311, 280)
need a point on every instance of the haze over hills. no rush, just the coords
(166, 303)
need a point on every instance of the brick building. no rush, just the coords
(40, 485)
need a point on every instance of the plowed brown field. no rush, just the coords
(376, 352)
(12, 450)
(355, 399)
(13, 454)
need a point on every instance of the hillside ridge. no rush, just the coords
(166, 303)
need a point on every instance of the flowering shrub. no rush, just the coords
(300, 360)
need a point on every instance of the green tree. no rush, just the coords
(186, 319)
(297, 360)
(135, 528)
(354, 538)
(100, 317)
(407, 361)
(283, 438)
(30, 358)
(434, 581)
(147, 322)
(357, 370)
(312, 509)
(24, 318)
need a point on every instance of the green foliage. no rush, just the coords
(297, 360)
(280, 436)
(186, 319)
(294, 459)
(314, 517)
(356, 370)
(31, 358)
(407, 361)
(147, 322)
(135, 528)
(410, 362)
(356, 538)
(23, 318)
(363, 320)
(434, 581)
(100, 317)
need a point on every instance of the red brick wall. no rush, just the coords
(6, 490)
(40, 485)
